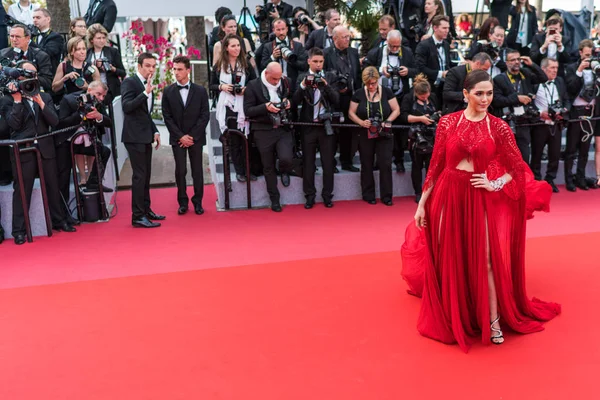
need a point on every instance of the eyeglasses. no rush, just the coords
(513, 60)
(81, 26)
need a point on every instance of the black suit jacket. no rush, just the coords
(285, 12)
(190, 118)
(51, 43)
(575, 83)
(563, 94)
(255, 103)
(293, 69)
(411, 13)
(513, 32)
(375, 57)
(333, 62)
(305, 97)
(427, 58)
(500, 10)
(317, 39)
(138, 126)
(406, 107)
(23, 124)
(113, 79)
(69, 116)
(105, 14)
(40, 59)
(505, 94)
(453, 90)
(537, 57)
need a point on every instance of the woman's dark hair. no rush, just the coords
(224, 21)
(474, 77)
(223, 63)
(296, 9)
(486, 27)
(421, 85)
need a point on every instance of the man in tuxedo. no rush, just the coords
(186, 114)
(454, 99)
(103, 12)
(70, 115)
(547, 95)
(342, 61)
(261, 98)
(323, 38)
(433, 55)
(19, 38)
(511, 94)
(495, 48)
(447, 6)
(139, 131)
(292, 65)
(549, 44)
(276, 9)
(51, 42)
(318, 102)
(29, 117)
(386, 24)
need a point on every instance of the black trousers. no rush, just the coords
(577, 147)
(368, 148)
(523, 139)
(400, 145)
(278, 141)
(5, 165)
(103, 152)
(29, 166)
(313, 137)
(419, 161)
(140, 156)
(347, 137)
(540, 137)
(180, 155)
(236, 145)
(64, 164)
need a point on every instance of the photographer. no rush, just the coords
(74, 74)
(484, 35)
(216, 34)
(51, 42)
(22, 11)
(274, 10)
(454, 98)
(289, 54)
(582, 85)
(303, 26)
(76, 108)
(266, 101)
(230, 27)
(386, 25)
(323, 38)
(513, 94)
(107, 61)
(374, 108)
(20, 37)
(494, 47)
(417, 109)
(549, 44)
(28, 116)
(433, 55)
(551, 99)
(230, 77)
(318, 100)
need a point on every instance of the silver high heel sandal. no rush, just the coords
(499, 337)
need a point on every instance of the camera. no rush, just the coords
(30, 86)
(280, 118)
(377, 129)
(314, 81)
(422, 137)
(556, 110)
(331, 117)
(435, 117)
(237, 79)
(86, 104)
(10, 21)
(490, 48)
(103, 64)
(394, 77)
(415, 25)
(302, 19)
(342, 82)
(287, 53)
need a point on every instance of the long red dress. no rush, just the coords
(446, 262)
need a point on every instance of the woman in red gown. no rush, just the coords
(464, 255)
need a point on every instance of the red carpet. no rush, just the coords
(300, 325)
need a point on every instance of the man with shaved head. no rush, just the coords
(342, 61)
(264, 101)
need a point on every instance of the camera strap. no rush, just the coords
(369, 103)
(549, 99)
(516, 84)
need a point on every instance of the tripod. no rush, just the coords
(390, 8)
(245, 14)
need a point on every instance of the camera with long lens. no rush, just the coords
(377, 128)
(103, 64)
(415, 25)
(86, 103)
(342, 82)
(30, 86)
(237, 80)
(314, 81)
(422, 136)
(490, 48)
(556, 111)
(88, 72)
(301, 19)
(287, 53)
(394, 77)
(281, 117)
(10, 21)
(331, 117)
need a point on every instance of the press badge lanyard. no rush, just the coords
(369, 103)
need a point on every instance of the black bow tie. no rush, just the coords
(183, 87)
(439, 45)
(281, 42)
(144, 82)
(394, 54)
(549, 82)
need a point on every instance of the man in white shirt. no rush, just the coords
(22, 11)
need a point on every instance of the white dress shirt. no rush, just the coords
(23, 14)
(184, 92)
(148, 95)
(441, 53)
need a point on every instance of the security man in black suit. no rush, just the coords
(19, 38)
(186, 114)
(549, 95)
(276, 9)
(292, 64)
(51, 42)
(323, 38)
(511, 94)
(454, 99)
(102, 12)
(261, 98)
(71, 115)
(318, 99)
(139, 131)
(549, 44)
(433, 55)
(29, 117)
(342, 60)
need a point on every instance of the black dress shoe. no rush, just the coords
(351, 168)
(94, 187)
(182, 210)
(388, 203)
(552, 185)
(276, 207)
(240, 178)
(1, 236)
(19, 239)
(309, 204)
(144, 222)
(336, 170)
(400, 168)
(581, 184)
(592, 183)
(5, 182)
(198, 209)
(371, 201)
(285, 180)
(65, 227)
(571, 186)
(328, 203)
(155, 217)
(253, 178)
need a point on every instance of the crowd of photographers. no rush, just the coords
(290, 94)
(50, 83)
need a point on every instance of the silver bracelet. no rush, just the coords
(498, 184)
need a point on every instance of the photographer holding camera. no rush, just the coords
(419, 109)
(276, 9)
(290, 54)
(51, 42)
(323, 38)
(454, 99)
(549, 44)
(20, 37)
(374, 108)
(29, 114)
(266, 101)
(513, 96)
(318, 99)
(87, 108)
(552, 101)
(107, 61)
(22, 11)
(229, 26)
(304, 25)
(230, 77)
(75, 73)
(386, 24)
(495, 48)
(583, 87)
